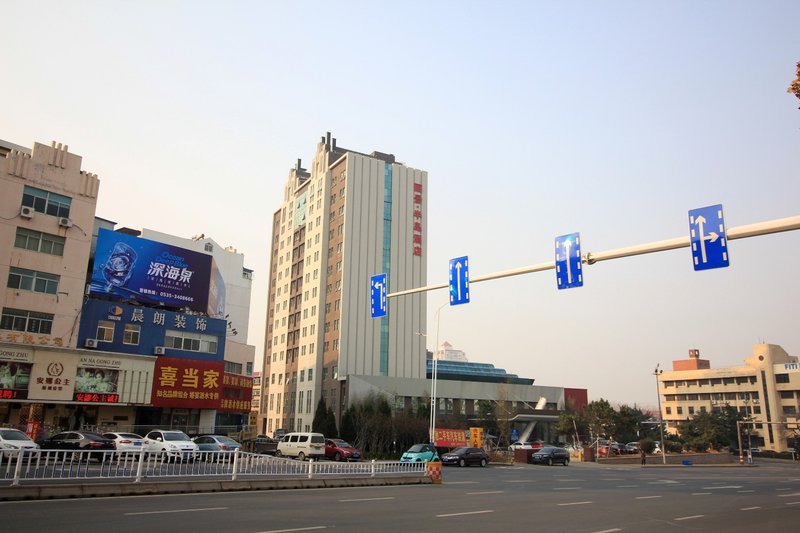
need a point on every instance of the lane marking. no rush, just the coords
(460, 483)
(786, 488)
(701, 493)
(177, 511)
(573, 503)
(723, 487)
(567, 488)
(368, 499)
(749, 508)
(788, 495)
(295, 529)
(646, 497)
(627, 486)
(570, 479)
(745, 491)
(608, 530)
(689, 517)
(521, 481)
(792, 503)
(612, 479)
(486, 492)
(463, 514)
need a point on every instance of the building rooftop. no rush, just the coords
(463, 371)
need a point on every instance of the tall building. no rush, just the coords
(765, 390)
(348, 217)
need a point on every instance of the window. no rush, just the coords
(781, 378)
(310, 374)
(302, 376)
(335, 371)
(192, 342)
(105, 331)
(46, 202)
(280, 379)
(668, 410)
(680, 410)
(787, 394)
(39, 242)
(789, 410)
(272, 379)
(28, 321)
(131, 334)
(31, 280)
(233, 368)
(691, 410)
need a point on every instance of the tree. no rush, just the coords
(320, 417)
(709, 430)
(569, 424)
(627, 423)
(795, 86)
(600, 417)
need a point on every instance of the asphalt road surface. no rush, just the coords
(520, 498)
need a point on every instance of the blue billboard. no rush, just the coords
(133, 329)
(150, 272)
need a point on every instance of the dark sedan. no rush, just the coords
(465, 457)
(80, 441)
(550, 455)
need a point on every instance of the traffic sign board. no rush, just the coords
(568, 261)
(378, 290)
(459, 280)
(707, 234)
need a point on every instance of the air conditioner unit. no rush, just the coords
(26, 212)
(91, 343)
(160, 350)
(64, 222)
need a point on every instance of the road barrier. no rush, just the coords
(434, 472)
(48, 465)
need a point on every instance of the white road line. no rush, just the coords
(701, 493)
(177, 511)
(745, 491)
(749, 508)
(573, 503)
(570, 479)
(786, 488)
(689, 517)
(608, 530)
(612, 479)
(789, 495)
(486, 492)
(627, 486)
(723, 487)
(567, 488)
(460, 483)
(792, 503)
(646, 497)
(295, 529)
(368, 499)
(462, 514)
(521, 481)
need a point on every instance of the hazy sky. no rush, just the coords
(533, 119)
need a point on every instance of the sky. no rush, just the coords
(532, 119)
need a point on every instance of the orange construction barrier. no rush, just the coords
(435, 472)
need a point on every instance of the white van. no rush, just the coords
(302, 445)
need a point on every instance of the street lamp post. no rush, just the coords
(656, 372)
(433, 379)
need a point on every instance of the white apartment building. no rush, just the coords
(348, 217)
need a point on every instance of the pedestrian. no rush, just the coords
(644, 456)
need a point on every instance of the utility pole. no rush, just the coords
(656, 372)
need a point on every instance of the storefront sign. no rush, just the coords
(30, 338)
(450, 438)
(96, 385)
(20, 355)
(52, 377)
(14, 380)
(188, 383)
(237, 393)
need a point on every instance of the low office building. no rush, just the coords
(766, 388)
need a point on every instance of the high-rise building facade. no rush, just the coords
(348, 217)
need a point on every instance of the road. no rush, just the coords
(583, 497)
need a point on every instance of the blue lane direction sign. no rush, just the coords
(377, 291)
(569, 271)
(707, 234)
(459, 281)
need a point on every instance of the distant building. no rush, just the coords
(446, 352)
(766, 388)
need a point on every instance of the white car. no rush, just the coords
(170, 444)
(127, 443)
(12, 440)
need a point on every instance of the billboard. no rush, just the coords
(187, 383)
(150, 272)
(450, 438)
(14, 380)
(237, 393)
(96, 385)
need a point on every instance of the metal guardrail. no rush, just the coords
(59, 465)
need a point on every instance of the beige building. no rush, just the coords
(766, 388)
(349, 217)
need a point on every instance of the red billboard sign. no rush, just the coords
(188, 383)
(450, 438)
(237, 393)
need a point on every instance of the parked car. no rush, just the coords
(526, 445)
(127, 443)
(265, 444)
(170, 444)
(12, 440)
(302, 446)
(550, 455)
(634, 446)
(80, 441)
(216, 443)
(466, 457)
(279, 434)
(340, 450)
(420, 452)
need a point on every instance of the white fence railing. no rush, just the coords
(50, 465)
